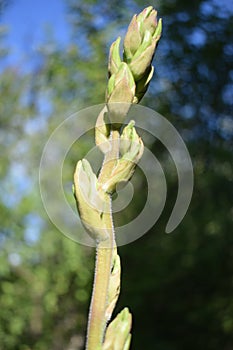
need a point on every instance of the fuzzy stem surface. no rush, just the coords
(104, 258)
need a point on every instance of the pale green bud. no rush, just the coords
(90, 204)
(141, 63)
(144, 31)
(131, 148)
(111, 85)
(158, 30)
(127, 342)
(114, 286)
(114, 57)
(142, 16)
(121, 86)
(136, 31)
(147, 41)
(122, 173)
(147, 21)
(120, 94)
(102, 131)
(118, 332)
(132, 40)
(131, 145)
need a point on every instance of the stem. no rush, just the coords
(104, 256)
(97, 319)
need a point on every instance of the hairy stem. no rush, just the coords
(104, 257)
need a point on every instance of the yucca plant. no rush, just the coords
(129, 77)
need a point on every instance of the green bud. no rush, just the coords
(147, 20)
(121, 88)
(143, 83)
(102, 132)
(128, 134)
(122, 173)
(142, 16)
(132, 40)
(147, 41)
(118, 332)
(141, 64)
(90, 204)
(111, 85)
(158, 31)
(131, 148)
(114, 286)
(131, 145)
(144, 31)
(127, 342)
(114, 57)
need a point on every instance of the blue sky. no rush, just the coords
(27, 22)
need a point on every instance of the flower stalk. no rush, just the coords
(129, 78)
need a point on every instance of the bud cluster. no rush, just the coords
(131, 148)
(90, 194)
(128, 81)
(129, 78)
(90, 202)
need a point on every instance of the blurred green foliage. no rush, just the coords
(178, 286)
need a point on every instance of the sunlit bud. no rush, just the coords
(132, 40)
(114, 57)
(142, 84)
(158, 31)
(143, 58)
(118, 332)
(91, 206)
(140, 41)
(141, 17)
(131, 145)
(120, 94)
(150, 21)
(131, 148)
(121, 86)
(102, 131)
(114, 286)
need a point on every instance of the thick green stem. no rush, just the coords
(97, 319)
(104, 257)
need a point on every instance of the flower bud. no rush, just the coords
(143, 58)
(142, 16)
(142, 84)
(118, 332)
(121, 86)
(158, 31)
(90, 204)
(102, 132)
(147, 41)
(131, 145)
(114, 286)
(132, 40)
(140, 42)
(114, 61)
(131, 148)
(150, 21)
(120, 94)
